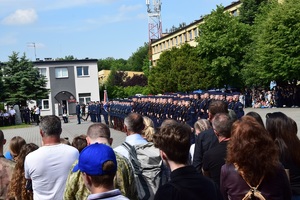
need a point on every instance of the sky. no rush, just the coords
(87, 28)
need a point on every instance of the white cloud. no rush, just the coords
(125, 13)
(125, 9)
(21, 17)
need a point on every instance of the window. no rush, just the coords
(234, 13)
(180, 39)
(61, 73)
(45, 104)
(196, 32)
(42, 71)
(84, 98)
(176, 41)
(83, 71)
(191, 35)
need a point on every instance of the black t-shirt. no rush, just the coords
(213, 160)
(294, 174)
(187, 183)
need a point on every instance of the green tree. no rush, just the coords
(249, 9)
(221, 46)
(69, 57)
(136, 61)
(146, 67)
(276, 48)
(160, 79)
(22, 82)
(110, 62)
(177, 70)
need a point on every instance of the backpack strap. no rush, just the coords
(132, 156)
(145, 193)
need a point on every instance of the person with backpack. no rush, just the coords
(144, 158)
(173, 141)
(252, 169)
(133, 126)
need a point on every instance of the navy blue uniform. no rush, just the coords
(238, 109)
(78, 113)
(98, 112)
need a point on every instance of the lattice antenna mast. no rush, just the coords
(154, 19)
(154, 22)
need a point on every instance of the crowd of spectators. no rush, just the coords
(288, 96)
(231, 158)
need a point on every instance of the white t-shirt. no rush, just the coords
(37, 111)
(48, 168)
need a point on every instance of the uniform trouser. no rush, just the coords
(78, 119)
(37, 118)
(98, 117)
(105, 115)
(87, 116)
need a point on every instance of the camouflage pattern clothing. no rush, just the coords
(6, 170)
(124, 181)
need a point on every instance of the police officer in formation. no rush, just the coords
(184, 108)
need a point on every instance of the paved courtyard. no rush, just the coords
(72, 130)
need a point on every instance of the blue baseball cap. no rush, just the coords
(92, 158)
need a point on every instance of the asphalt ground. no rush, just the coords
(72, 129)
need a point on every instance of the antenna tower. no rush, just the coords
(154, 22)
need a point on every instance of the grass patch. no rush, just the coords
(23, 125)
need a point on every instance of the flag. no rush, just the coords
(105, 98)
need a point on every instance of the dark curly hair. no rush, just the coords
(252, 149)
(17, 184)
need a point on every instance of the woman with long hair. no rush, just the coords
(148, 130)
(252, 168)
(199, 126)
(283, 131)
(17, 186)
(15, 145)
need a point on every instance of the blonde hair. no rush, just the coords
(148, 130)
(202, 125)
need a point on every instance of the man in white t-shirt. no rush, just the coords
(48, 167)
(37, 114)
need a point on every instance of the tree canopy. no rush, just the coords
(222, 44)
(249, 9)
(275, 51)
(177, 70)
(21, 81)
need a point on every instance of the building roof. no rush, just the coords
(165, 35)
(60, 62)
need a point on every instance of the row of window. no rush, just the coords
(62, 72)
(84, 98)
(179, 39)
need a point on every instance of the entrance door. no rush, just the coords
(64, 106)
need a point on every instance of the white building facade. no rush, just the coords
(69, 81)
